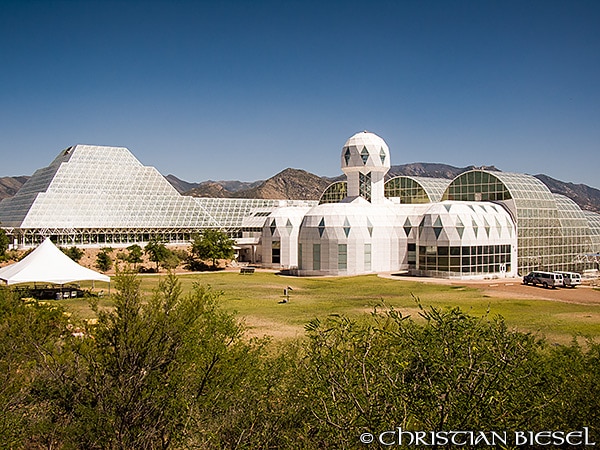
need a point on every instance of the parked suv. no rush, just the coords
(570, 279)
(546, 279)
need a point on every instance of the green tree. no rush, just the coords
(213, 245)
(74, 253)
(103, 261)
(171, 261)
(161, 373)
(30, 335)
(454, 372)
(135, 254)
(173, 370)
(156, 251)
(572, 375)
(4, 241)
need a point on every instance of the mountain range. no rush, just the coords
(299, 184)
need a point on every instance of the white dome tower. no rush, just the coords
(365, 161)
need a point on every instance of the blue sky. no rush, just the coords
(244, 89)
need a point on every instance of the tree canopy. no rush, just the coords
(73, 252)
(213, 245)
(173, 370)
(135, 254)
(103, 261)
(157, 251)
(4, 241)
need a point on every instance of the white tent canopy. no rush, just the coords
(47, 264)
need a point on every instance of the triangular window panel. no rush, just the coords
(498, 225)
(364, 155)
(364, 185)
(289, 226)
(273, 227)
(347, 155)
(437, 227)
(382, 155)
(321, 227)
(487, 227)
(447, 206)
(421, 226)
(370, 227)
(460, 227)
(475, 227)
(346, 227)
(407, 226)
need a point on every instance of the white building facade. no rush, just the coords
(366, 232)
(481, 224)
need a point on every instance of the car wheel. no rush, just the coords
(545, 285)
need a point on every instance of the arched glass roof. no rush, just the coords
(416, 189)
(409, 189)
(593, 220)
(335, 192)
(551, 229)
(575, 229)
(569, 212)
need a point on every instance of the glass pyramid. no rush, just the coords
(90, 194)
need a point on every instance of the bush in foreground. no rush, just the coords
(176, 371)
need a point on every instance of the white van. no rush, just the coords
(570, 279)
(546, 279)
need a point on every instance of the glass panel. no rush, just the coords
(316, 256)
(342, 256)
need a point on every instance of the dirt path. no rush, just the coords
(514, 288)
(581, 295)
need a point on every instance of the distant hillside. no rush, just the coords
(291, 184)
(301, 185)
(432, 170)
(585, 196)
(10, 185)
(180, 185)
(210, 188)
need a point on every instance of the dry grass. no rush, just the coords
(256, 299)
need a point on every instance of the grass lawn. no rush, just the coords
(256, 298)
